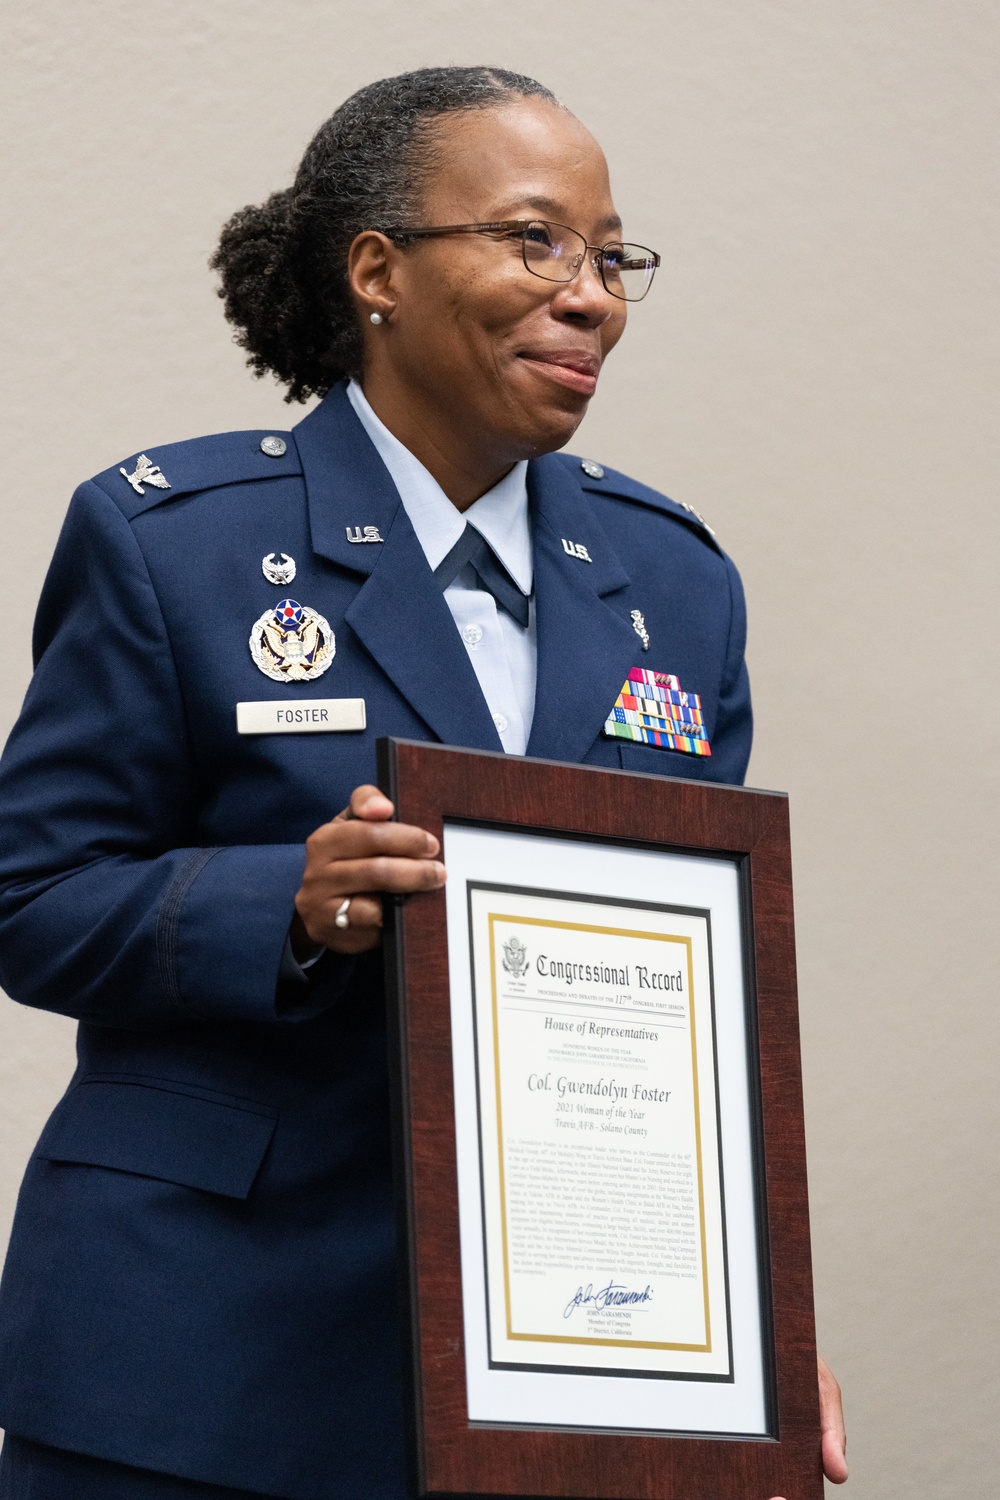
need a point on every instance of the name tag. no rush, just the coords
(308, 716)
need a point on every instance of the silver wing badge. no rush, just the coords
(146, 472)
(278, 572)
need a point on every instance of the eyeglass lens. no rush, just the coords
(556, 253)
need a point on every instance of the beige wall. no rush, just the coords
(816, 370)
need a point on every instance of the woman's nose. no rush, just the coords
(586, 295)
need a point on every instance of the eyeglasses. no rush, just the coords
(556, 253)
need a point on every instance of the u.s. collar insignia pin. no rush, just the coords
(281, 572)
(146, 472)
(364, 534)
(292, 643)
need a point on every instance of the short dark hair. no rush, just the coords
(283, 264)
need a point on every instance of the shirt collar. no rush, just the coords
(501, 515)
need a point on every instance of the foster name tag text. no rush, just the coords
(308, 716)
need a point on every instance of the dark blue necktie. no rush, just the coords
(474, 549)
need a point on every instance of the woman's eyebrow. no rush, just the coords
(550, 206)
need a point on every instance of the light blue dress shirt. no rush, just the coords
(502, 652)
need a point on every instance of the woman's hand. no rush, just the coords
(831, 1421)
(359, 854)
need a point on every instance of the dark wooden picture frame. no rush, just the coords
(431, 784)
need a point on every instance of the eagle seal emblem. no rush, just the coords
(515, 957)
(292, 643)
(146, 472)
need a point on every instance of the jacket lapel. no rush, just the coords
(585, 648)
(399, 613)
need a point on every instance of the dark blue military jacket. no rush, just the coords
(201, 1272)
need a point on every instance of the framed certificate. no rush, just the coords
(601, 1162)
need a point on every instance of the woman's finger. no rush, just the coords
(356, 839)
(349, 939)
(346, 877)
(363, 912)
(362, 932)
(321, 894)
(367, 802)
(831, 1416)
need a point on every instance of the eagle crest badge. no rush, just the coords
(146, 472)
(292, 643)
(515, 957)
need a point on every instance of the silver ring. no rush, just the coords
(342, 919)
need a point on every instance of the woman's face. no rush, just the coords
(512, 359)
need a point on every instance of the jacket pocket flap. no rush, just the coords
(160, 1130)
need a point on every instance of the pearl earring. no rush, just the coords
(375, 318)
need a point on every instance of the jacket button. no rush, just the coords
(592, 470)
(274, 447)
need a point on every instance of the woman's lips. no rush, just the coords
(578, 372)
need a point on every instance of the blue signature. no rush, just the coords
(611, 1295)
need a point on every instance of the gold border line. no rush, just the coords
(496, 1065)
(697, 1141)
(542, 1338)
(660, 937)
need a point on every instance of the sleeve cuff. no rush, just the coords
(223, 935)
(296, 970)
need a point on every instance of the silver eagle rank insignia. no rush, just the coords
(146, 472)
(292, 643)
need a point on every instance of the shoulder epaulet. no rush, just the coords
(599, 480)
(158, 475)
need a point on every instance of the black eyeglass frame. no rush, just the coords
(507, 226)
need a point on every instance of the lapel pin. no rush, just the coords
(639, 626)
(281, 572)
(576, 549)
(363, 534)
(292, 643)
(146, 472)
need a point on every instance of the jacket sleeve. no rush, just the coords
(109, 909)
(733, 735)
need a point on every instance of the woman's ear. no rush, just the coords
(370, 263)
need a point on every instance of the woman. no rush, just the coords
(198, 1290)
